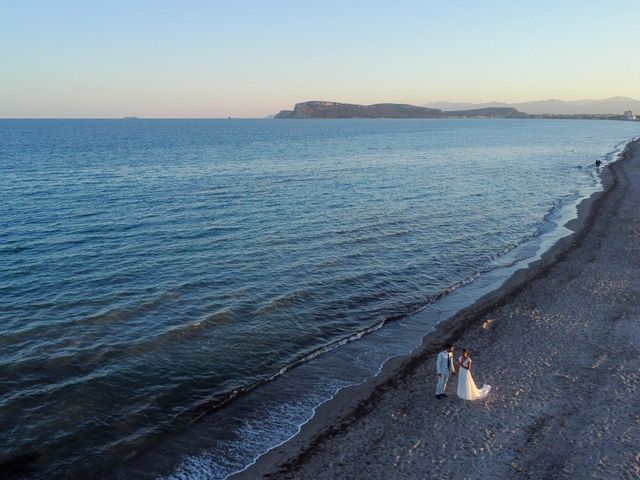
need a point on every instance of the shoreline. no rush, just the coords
(354, 405)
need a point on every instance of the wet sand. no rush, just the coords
(560, 345)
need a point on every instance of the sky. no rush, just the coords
(244, 58)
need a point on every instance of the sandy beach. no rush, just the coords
(559, 343)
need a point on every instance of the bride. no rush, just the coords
(467, 389)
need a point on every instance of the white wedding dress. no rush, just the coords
(467, 389)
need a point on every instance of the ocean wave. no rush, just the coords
(183, 332)
(285, 300)
(112, 315)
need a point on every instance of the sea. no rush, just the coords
(177, 297)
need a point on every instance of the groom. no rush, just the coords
(444, 367)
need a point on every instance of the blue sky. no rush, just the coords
(64, 58)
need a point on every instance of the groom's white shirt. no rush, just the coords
(441, 364)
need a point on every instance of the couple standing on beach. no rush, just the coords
(445, 366)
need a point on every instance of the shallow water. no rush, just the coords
(152, 268)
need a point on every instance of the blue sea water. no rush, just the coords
(152, 270)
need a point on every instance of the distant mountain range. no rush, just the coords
(323, 109)
(613, 106)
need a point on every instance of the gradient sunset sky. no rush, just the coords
(155, 58)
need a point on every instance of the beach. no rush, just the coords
(558, 343)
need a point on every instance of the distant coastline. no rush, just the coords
(333, 110)
(552, 106)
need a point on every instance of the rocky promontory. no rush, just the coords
(323, 109)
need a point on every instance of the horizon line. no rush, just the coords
(138, 118)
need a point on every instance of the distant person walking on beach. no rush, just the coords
(444, 367)
(598, 163)
(467, 389)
